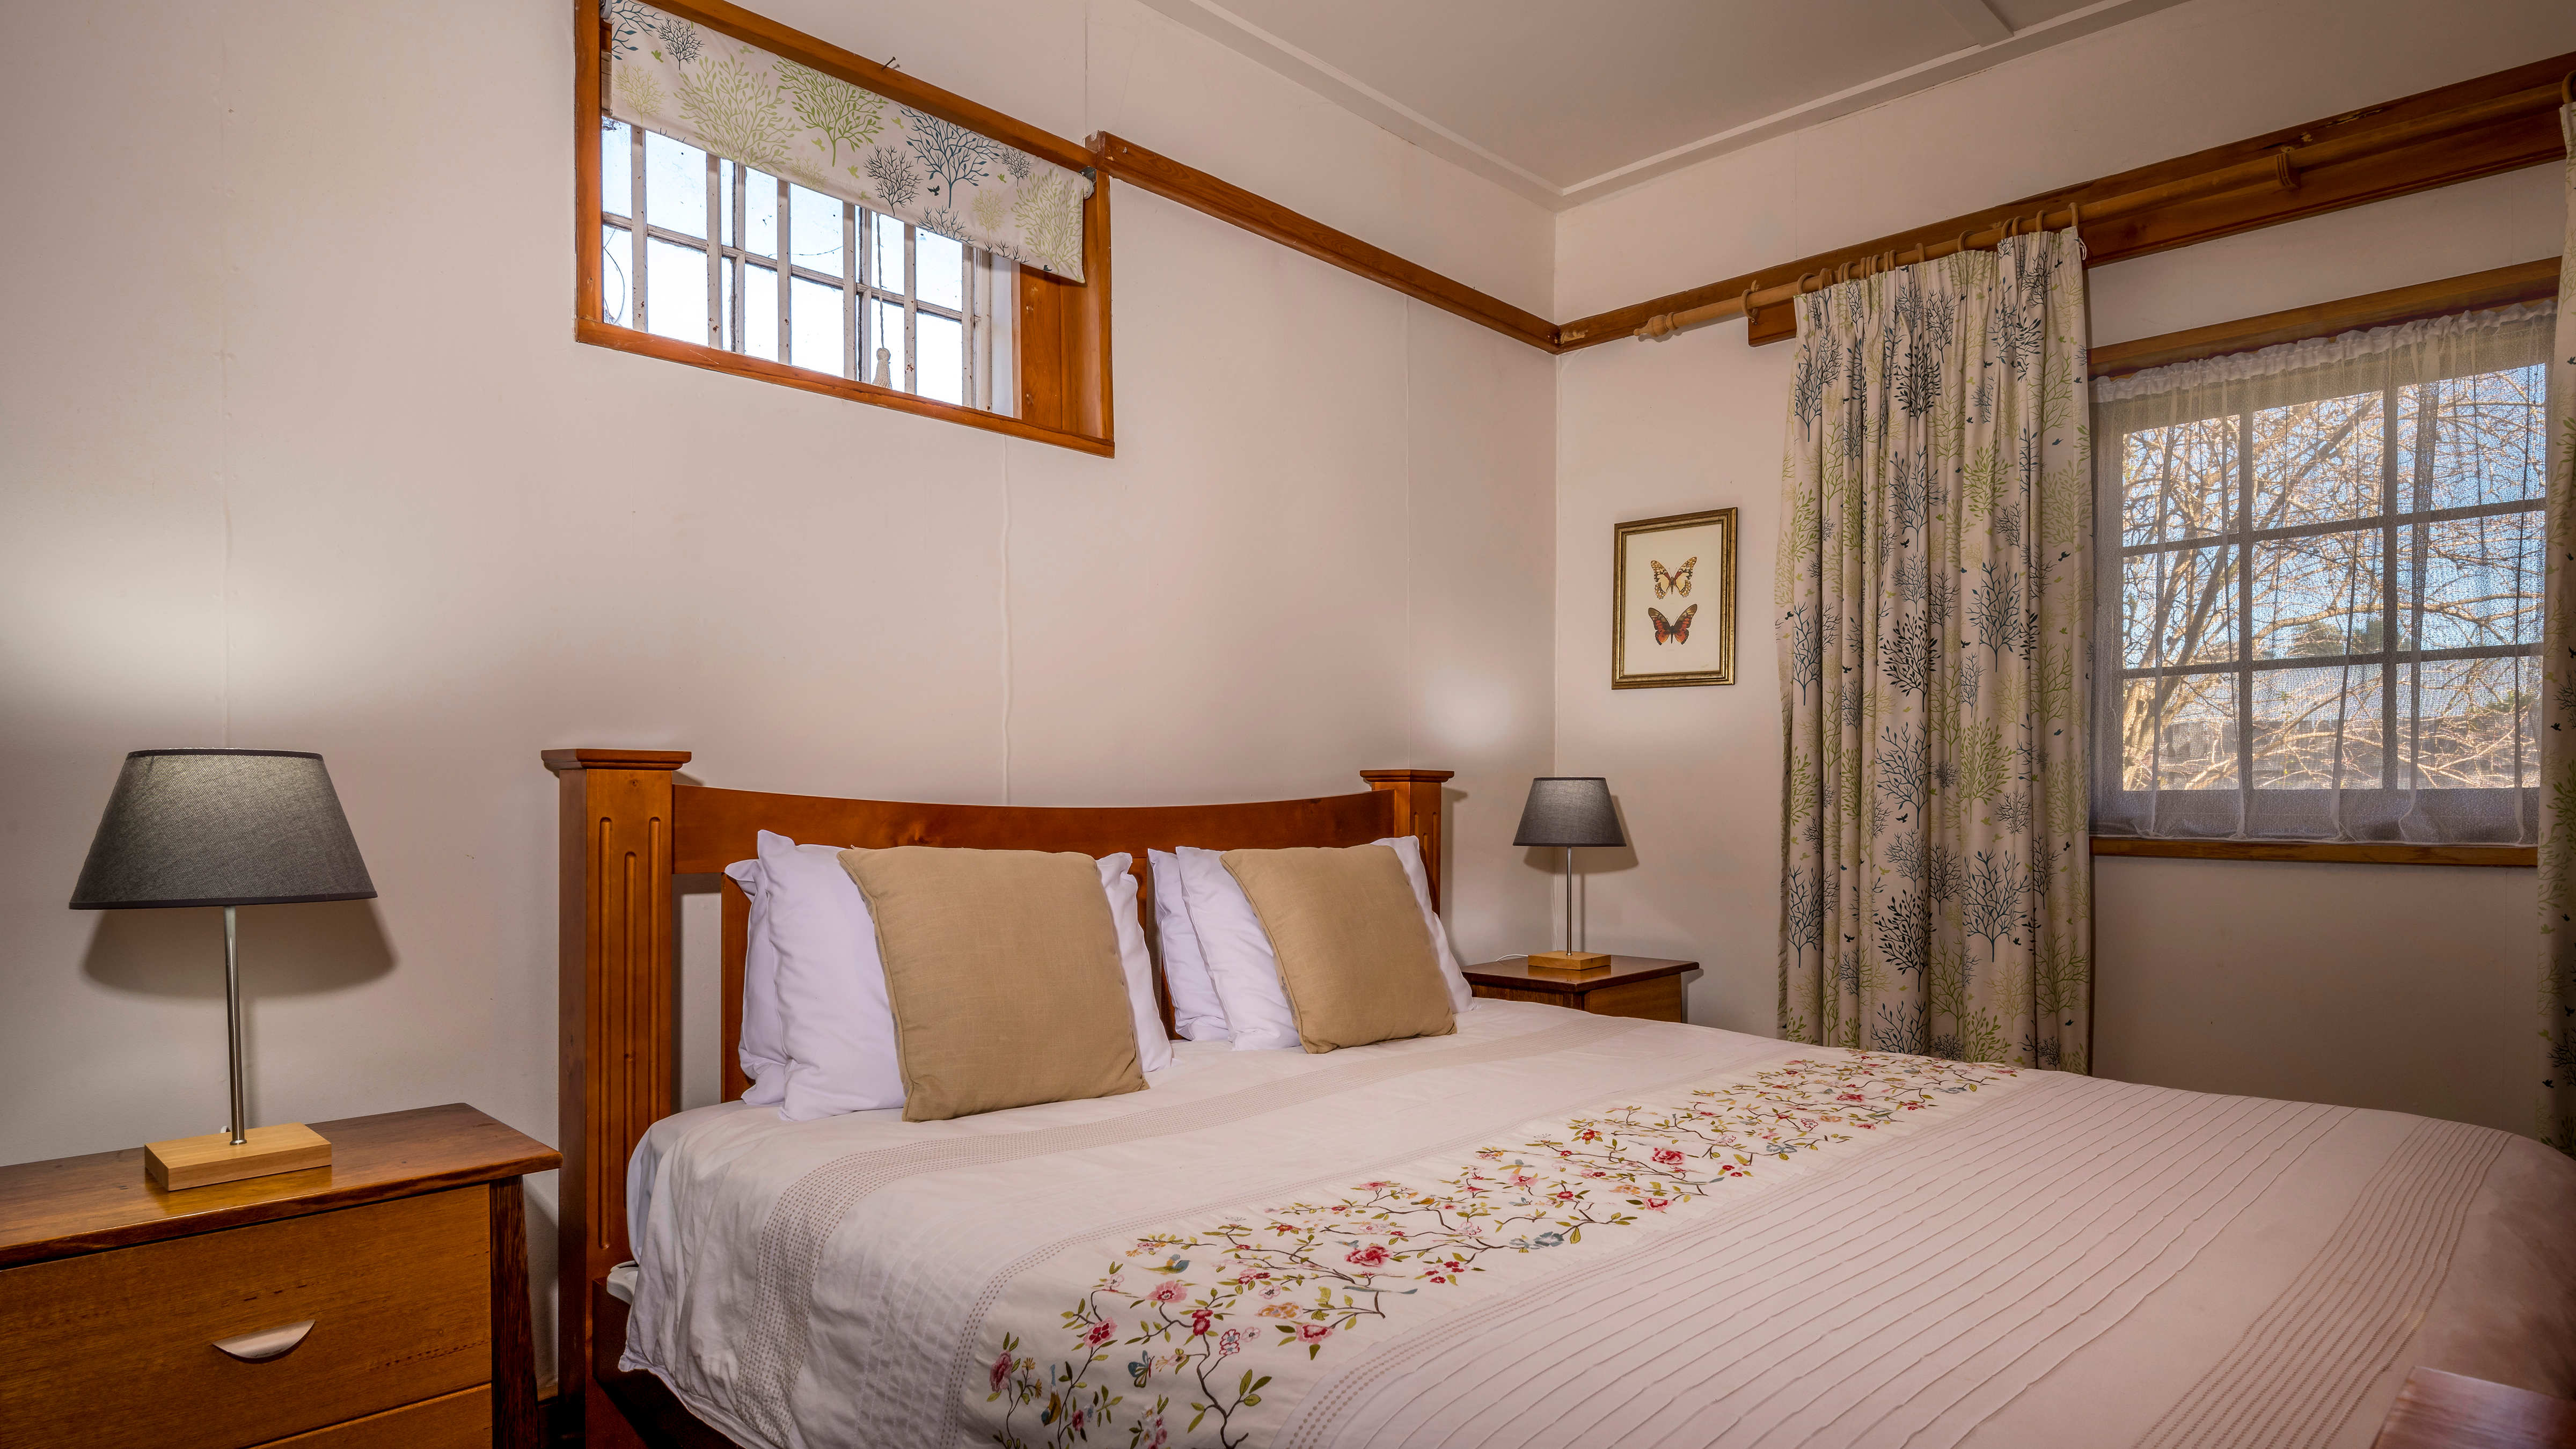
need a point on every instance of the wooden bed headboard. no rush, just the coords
(628, 825)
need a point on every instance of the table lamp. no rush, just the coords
(224, 828)
(1569, 810)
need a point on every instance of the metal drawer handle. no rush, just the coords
(266, 1344)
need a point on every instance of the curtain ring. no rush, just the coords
(2075, 216)
(1746, 302)
(1962, 243)
(2567, 89)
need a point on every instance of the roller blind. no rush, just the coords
(669, 75)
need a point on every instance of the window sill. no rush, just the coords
(716, 359)
(2374, 852)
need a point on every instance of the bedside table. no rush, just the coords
(379, 1301)
(1643, 986)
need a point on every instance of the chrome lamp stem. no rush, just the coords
(233, 1021)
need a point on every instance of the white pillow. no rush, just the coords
(1196, 1013)
(831, 985)
(1239, 958)
(763, 1049)
(1153, 1048)
(1462, 997)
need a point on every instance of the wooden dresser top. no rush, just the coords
(74, 1205)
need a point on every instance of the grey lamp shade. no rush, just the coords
(221, 828)
(1569, 810)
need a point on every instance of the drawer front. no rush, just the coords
(118, 1348)
(1656, 1000)
(452, 1421)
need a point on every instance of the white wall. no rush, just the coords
(299, 453)
(2385, 986)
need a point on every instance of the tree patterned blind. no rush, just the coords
(774, 115)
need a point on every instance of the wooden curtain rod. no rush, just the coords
(2280, 170)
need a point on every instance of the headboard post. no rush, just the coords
(616, 1051)
(1417, 812)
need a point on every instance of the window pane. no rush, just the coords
(675, 292)
(760, 312)
(2179, 607)
(724, 199)
(2179, 734)
(2178, 482)
(814, 326)
(885, 259)
(760, 213)
(2318, 595)
(616, 246)
(2318, 462)
(675, 186)
(941, 344)
(815, 232)
(939, 267)
(617, 168)
(2485, 440)
(2317, 729)
(2481, 579)
(885, 334)
(2473, 722)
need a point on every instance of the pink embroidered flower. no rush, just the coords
(1199, 1322)
(1375, 1186)
(1100, 1333)
(1367, 1257)
(1170, 1292)
(1313, 1333)
(1075, 1424)
(1656, 1204)
(1563, 1194)
(1587, 1135)
(1230, 1341)
(1667, 1156)
(1001, 1372)
(1851, 1097)
(1522, 1179)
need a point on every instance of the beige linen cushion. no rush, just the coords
(1355, 958)
(1002, 969)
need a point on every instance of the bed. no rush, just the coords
(1548, 1229)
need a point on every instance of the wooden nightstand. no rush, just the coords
(1646, 986)
(379, 1301)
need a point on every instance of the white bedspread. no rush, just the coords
(1556, 1229)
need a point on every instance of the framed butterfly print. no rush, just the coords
(1672, 601)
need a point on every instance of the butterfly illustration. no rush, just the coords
(1677, 630)
(1676, 581)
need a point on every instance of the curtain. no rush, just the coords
(771, 114)
(2328, 561)
(1934, 621)
(2556, 1003)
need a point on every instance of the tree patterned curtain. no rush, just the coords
(2555, 1121)
(771, 114)
(1935, 621)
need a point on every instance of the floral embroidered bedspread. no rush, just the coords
(1190, 1333)
(1554, 1229)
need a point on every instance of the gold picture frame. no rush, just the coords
(1702, 649)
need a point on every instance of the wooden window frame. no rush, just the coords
(1062, 330)
(2531, 281)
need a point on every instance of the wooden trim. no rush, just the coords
(858, 70)
(2498, 122)
(1418, 813)
(586, 28)
(1261, 216)
(733, 950)
(516, 1421)
(2372, 852)
(2499, 287)
(1065, 327)
(716, 359)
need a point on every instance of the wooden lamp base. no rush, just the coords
(185, 1162)
(1568, 961)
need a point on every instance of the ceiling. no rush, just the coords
(1563, 103)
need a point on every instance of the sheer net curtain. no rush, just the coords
(2323, 571)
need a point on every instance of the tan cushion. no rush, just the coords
(1354, 956)
(1002, 968)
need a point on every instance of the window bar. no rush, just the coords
(715, 252)
(2428, 410)
(2388, 511)
(741, 240)
(781, 242)
(850, 292)
(911, 311)
(2244, 618)
(969, 325)
(637, 234)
